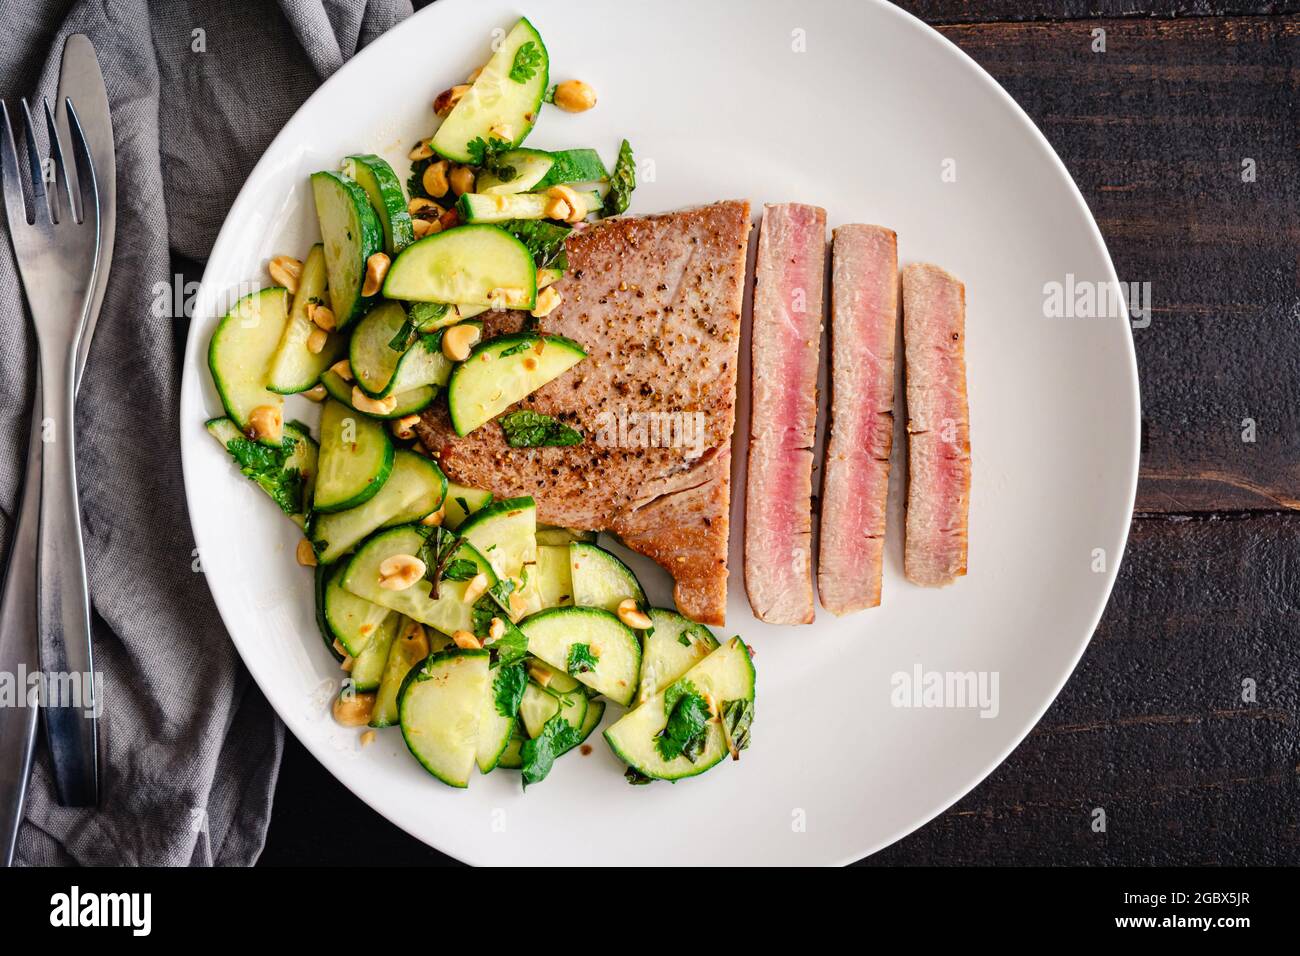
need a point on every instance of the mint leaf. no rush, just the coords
(529, 429)
(528, 60)
(636, 778)
(461, 569)
(621, 182)
(539, 754)
(545, 240)
(508, 689)
(737, 717)
(582, 659)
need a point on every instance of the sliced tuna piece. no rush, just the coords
(787, 326)
(855, 469)
(656, 303)
(938, 426)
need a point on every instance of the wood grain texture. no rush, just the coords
(1152, 727)
(939, 12)
(1156, 131)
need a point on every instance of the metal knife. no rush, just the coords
(81, 80)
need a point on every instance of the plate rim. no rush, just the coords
(226, 236)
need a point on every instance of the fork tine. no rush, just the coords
(87, 183)
(60, 172)
(39, 196)
(15, 205)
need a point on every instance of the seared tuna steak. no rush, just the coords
(855, 470)
(656, 303)
(938, 425)
(787, 330)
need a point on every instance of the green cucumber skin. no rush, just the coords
(698, 768)
(318, 586)
(430, 245)
(573, 612)
(214, 356)
(458, 152)
(492, 509)
(412, 677)
(372, 486)
(370, 241)
(341, 392)
(573, 166)
(497, 345)
(384, 190)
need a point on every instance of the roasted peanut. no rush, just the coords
(398, 572)
(285, 271)
(266, 421)
(459, 340)
(633, 616)
(353, 710)
(574, 96)
(376, 268)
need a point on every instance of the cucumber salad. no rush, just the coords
(486, 639)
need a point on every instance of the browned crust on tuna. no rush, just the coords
(656, 303)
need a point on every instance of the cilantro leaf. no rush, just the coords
(528, 59)
(511, 647)
(538, 755)
(621, 182)
(461, 569)
(481, 614)
(485, 153)
(687, 714)
(508, 689)
(582, 659)
(265, 464)
(529, 429)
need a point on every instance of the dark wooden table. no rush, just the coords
(1152, 728)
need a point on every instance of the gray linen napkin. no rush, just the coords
(198, 89)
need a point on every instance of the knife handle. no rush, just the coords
(62, 594)
(18, 652)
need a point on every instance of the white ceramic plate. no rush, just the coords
(857, 107)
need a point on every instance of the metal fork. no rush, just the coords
(57, 249)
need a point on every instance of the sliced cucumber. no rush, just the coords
(241, 349)
(356, 457)
(595, 711)
(484, 207)
(549, 581)
(547, 277)
(541, 704)
(461, 503)
(549, 535)
(530, 166)
(434, 495)
(410, 647)
(503, 370)
(495, 728)
(614, 645)
(408, 403)
(290, 485)
(512, 757)
(600, 579)
(499, 106)
(439, 707)
(504, 532)
(368, 667)
(572, 166)
(448, 613)
(413, 482)
(384, 191)
(379, 369)
(471, 265)
(432, 316)
(674, 646)
(726, 675)
(294, 367)
(321, 579)
(352, 621)
(351, 234)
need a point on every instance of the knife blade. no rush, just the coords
(81, 80)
